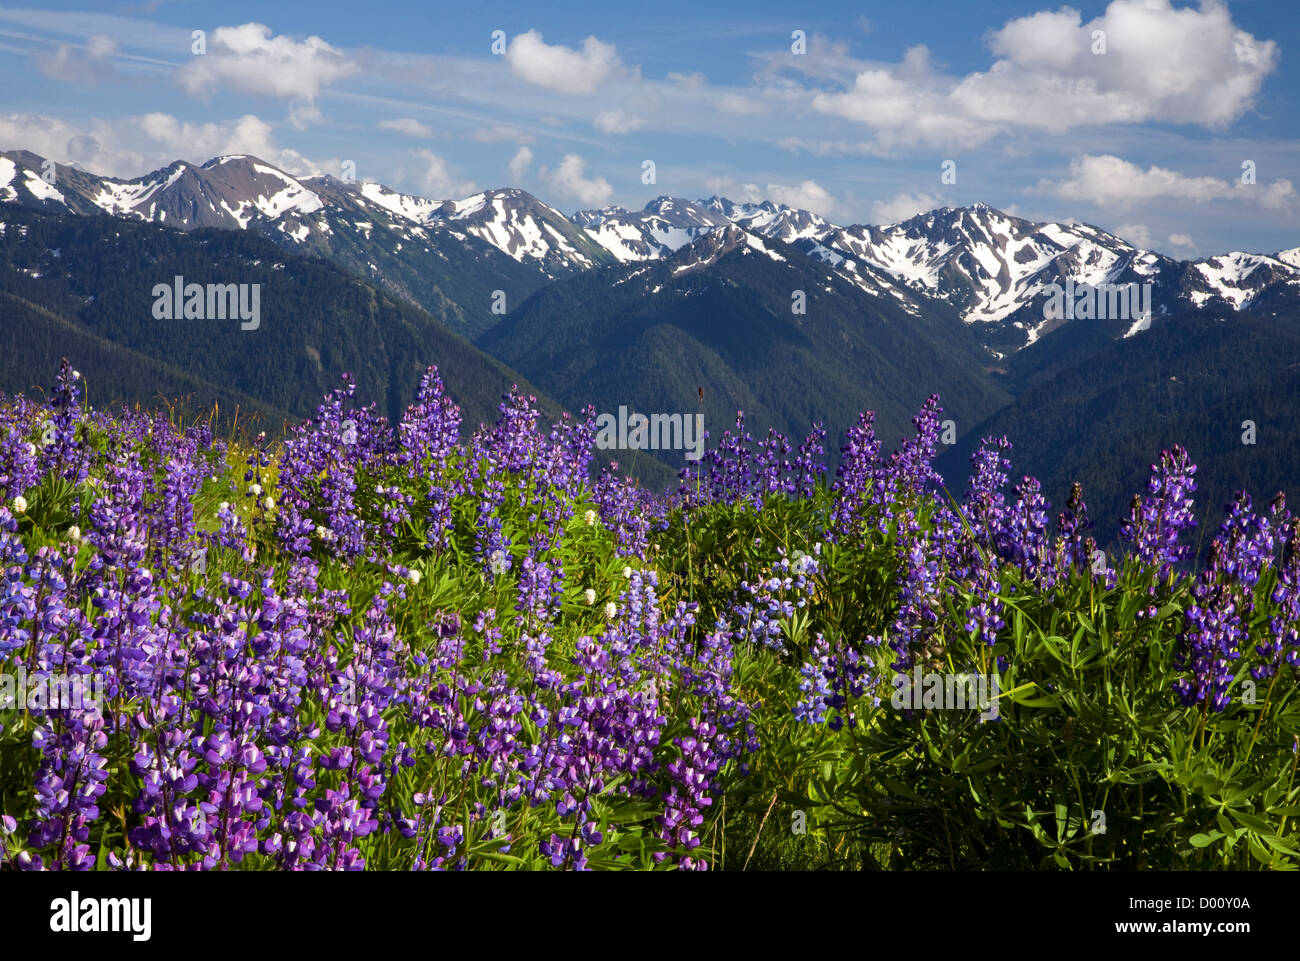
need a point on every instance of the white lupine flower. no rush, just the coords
(255, 490)
(19, 504)
(611, 609)
(627, 572)
(323, 532)
(589, 596)
(74, 533)
(589, 518)
(223, 506)
(413, 576)
(269, 503)
(31, 449)
(76, 375)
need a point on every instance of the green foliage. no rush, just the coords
(1092, 762)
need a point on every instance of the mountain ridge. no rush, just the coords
(456, 258)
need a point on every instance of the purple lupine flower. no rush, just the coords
(1157, 520)
(856, 476)
(1215, 632)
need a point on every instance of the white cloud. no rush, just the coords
(86, 64)
(806, 195)
(64, 143)
(727, 187)
(825, 60)
(560, 68)
(616, 122)
(519, 164)
(1279, 195)
(408, 126)
(1109, 181)
(569, 180)
(1137, 234)
(131, 146)
(740, 105)
(248, 59)
(199, 142)
(1182, 242)
(692, 80)
(903, 206)
(1190, 66)
(438, 181)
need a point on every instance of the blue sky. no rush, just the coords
(1146, 135)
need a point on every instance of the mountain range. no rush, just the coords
(993, 268)
(761, 307)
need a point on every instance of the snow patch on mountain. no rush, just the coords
(415, 209)
(8, 170)
(1290, 257)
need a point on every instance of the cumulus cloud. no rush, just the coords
(903, 206)
(248, 59)
(131, 146)
(1182, 242)
(438, 181)
(1137, 234)
(86, 64)
(806, 195)
(408, 126)
(617, 122)
(520, 163)
(247, 135)
(570, 180)
(1190, 66)
(63, 143)
(560, 68)
(1110, 181)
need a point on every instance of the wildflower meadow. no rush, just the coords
(426, 647)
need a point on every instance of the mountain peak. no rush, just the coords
(239, 160)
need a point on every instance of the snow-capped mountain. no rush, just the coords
(778, 221)
(1241, 280)
(516, 222)
(709, 248)
(448, 257)
(994, 270)
(665, 225)
(244, 192)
